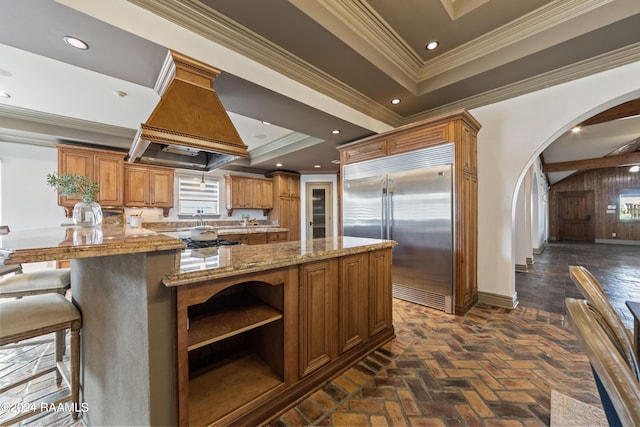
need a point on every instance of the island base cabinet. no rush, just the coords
(254, 345)
(232, 352)
(318, 286)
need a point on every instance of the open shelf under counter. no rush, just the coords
(228, 386)
(237, 314)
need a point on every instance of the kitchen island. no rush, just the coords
(237, 342)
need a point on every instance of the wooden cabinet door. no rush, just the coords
(294, 218)
(109, 172)
(75, 162)
(317, 287)
(293, 186)
(262, 194)
(352, 297)
(280, 236)
(466, 262)
(239, 192)
(136, 193)
(380, 312)
(161, 188)
(256, 238)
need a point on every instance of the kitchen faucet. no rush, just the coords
(199, 221)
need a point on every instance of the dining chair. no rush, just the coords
(618, 386)
(593, 292)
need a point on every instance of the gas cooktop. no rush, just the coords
(198, 244)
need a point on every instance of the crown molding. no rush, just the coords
(31, 116)
(287, 144)
(581, 69)
(208, 23)
(360, 27)
(536, 22)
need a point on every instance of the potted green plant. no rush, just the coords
(87, 212)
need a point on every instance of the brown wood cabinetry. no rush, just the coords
(253, 345)
(102, 166)
(318, 286)
(148, 186)
(247, 239)
(121, 184)
(379, 293)
(243, 192)
(353, 292)
(462, 129)
(277, 236)
(286, 202)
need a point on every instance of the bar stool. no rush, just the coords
(36, 283)
(37, 315)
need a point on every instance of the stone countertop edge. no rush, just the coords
(28, 246)
(238, 268)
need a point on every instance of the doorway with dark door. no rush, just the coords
(319, 210)
(576, 216)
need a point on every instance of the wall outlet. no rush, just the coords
(614, 235)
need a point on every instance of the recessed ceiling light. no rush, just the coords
(576, 129)
(75, 42)
(266, 123)
(396, 101)
(120, 93)
(432, 45)
(335, 161)
(317, 166)
(4, 94)
(335, 131)
(278, 165)
(635, 168)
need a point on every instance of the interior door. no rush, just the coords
(576, 215)
(319, 210)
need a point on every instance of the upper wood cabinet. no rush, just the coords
(148, 186)
(245, 192)
(286, 202)
(102, 166)
(131, 185)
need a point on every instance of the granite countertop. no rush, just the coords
(62, 243)
(178, 226)
(215, 263)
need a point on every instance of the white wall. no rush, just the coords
(514, 132)
(521, 246)
(540, 207)
(27, 201)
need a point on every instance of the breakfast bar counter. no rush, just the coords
(163, 324)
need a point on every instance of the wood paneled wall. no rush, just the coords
(605, 183)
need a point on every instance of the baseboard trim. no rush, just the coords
(538, 251)
(619, 242)
(503, 301)
(522, 268)
(529, 261)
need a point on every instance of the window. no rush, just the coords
(192, 199)
(629, 204)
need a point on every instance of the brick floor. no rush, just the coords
(491, 367)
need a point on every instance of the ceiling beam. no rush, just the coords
(627, 109)
(597, 163)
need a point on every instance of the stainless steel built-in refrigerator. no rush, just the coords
(408, 198)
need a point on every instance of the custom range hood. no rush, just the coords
(189, 128)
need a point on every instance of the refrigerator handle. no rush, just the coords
(384, 212)
(390, 213)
